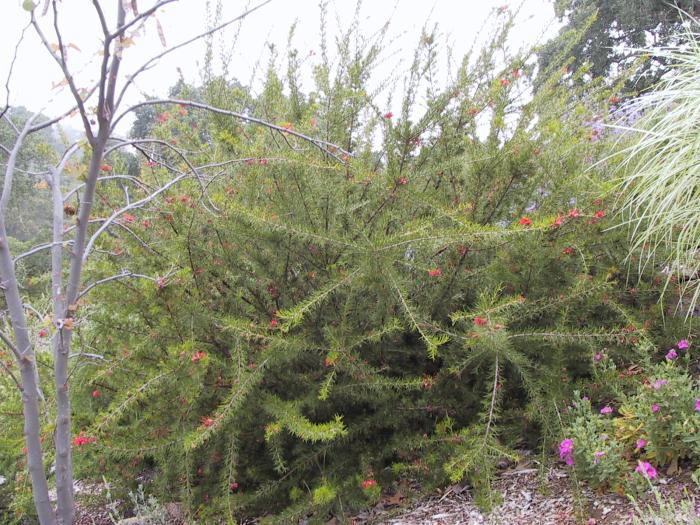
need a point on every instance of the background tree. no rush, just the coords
(611, 28)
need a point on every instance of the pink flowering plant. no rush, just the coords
(590, 446)
(663, 413)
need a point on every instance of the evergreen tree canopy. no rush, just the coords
(611, 26)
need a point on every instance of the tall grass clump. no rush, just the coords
(661, 171)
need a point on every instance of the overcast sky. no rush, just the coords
(35, 73)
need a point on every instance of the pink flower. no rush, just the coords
(566, 449)
(646, 469)
(606, 410)
(672, 354)
(683, 344)
(558, 221)
(525, 221)
(655, 408)
(697, 405)
(480, 321)
(659, 383)
(598, 356)
(574, 213)
(597, 455)
(388, 115)
(641, 443)
(435, 272)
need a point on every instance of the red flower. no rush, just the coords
(128, 218)
(403, 181)
(314, 122)
(105, 167)
(568, 250)
(516, 73)
(163, 117)
(504, 82)
(574, 213)
(435, 272)
(206, 421)
(233, 486)
(151, 164)
(273, 323)
(170, 200)
(146, 224)
(599, 214)
(198, 356)
(184, 199)
(96, 393)
(614, 100)
(525, 221)
(558, 221)
(81, 439)
(44, 332)
(480, 321)
(368, 483)
(263, 162)
(388, 115)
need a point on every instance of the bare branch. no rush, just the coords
(60, 60)
(35, 250)
(9, 73)
(10, 168)
(177, 151)
(10, 344)
(131, 178)
(149, 62)
(124, 275)
(120, 30)
(13, 376)
(135, 205)
(324, 146)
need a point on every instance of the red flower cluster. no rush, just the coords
(273, 323)
(403, 181)
(368, 483)
(525, 221)
(81, 439)
(388, 115)
(105, 167)
(435, 272)
(504, 82)
(480, 321)
(96, 393)
(128, 218)
(206, 421)
(44, 332)
(198, 356)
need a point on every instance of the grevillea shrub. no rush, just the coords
(326, 325)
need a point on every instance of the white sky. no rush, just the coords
(35, 72)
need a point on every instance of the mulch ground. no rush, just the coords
(529, 497)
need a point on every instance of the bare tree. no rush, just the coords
(67, 285)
